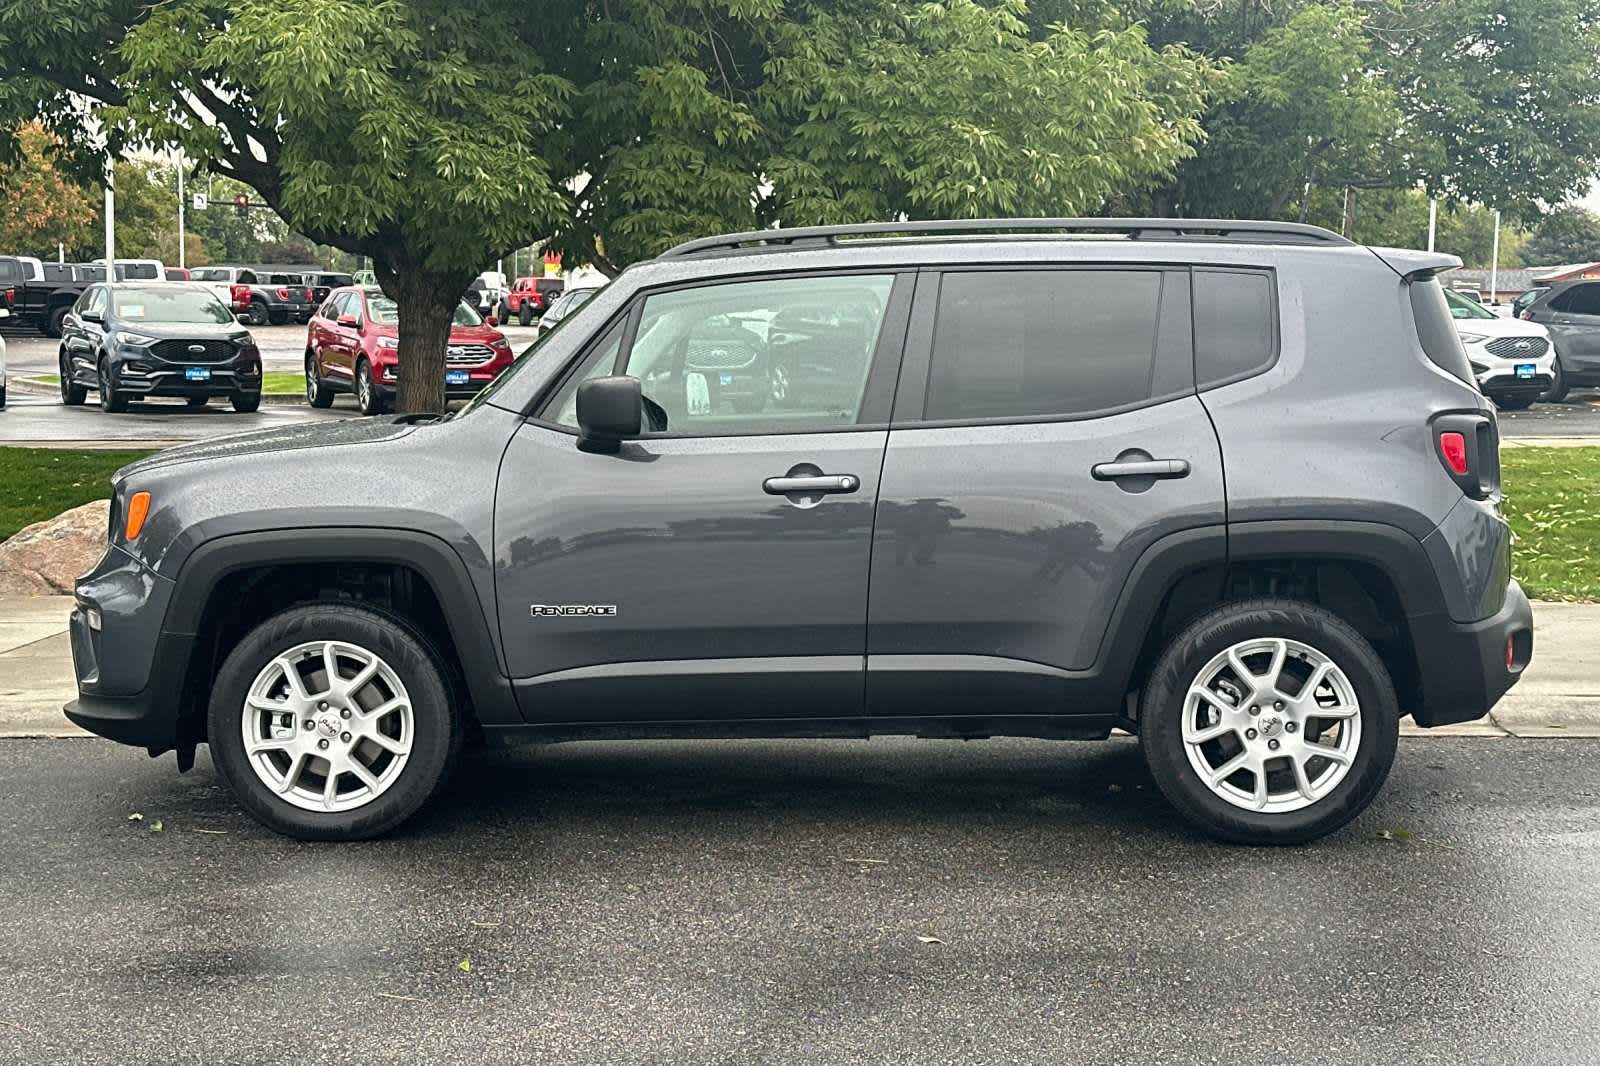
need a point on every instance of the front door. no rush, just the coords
(1047, 432)
(717, 566)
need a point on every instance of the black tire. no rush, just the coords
(2, 397)
(1161, 728)
(416, 662)
(1558, 390)
(245, 402)
(317, 394)
(72, 394)
(195, 402)
(368, 398)
(256, 314)
(525, 314)
(53, 324)
(112, 400)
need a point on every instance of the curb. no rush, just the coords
(35, 387)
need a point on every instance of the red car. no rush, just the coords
(352, 342)
(530, 296)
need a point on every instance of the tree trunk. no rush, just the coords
(427, 302)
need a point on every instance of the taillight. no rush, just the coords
(239, 294)
(310, 296)
(11, 297)
(1468, 446)
(1453, 446)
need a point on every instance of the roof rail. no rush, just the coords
(1194, 229)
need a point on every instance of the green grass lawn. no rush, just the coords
(276, 383)
(39, 483)
(1552, 499)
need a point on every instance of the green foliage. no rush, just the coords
(1550, 496)
(1569, 235)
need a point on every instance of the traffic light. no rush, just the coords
(241, 204)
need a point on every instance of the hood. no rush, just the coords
(183, 331)
(1500, 327)
(270, 441)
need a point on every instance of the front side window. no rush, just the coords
(1042, 343)
(785, 355)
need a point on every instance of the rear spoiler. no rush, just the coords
(1408, 262)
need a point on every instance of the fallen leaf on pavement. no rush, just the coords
(396, 995)
(156, 826)
(465, 965)
(135, 817)
(930, 940)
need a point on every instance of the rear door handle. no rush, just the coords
(807, 486)
(1157, 468)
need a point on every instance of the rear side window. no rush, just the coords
(1235, 325)
(1578, 300)
(1437, 330)
(1037, 343)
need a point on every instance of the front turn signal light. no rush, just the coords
(138, 511)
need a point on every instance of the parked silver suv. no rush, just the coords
(1042, 478)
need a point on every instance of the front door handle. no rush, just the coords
(808, 486)
(1157, 468)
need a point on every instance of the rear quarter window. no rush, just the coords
(1436, 329)
(1235, 325)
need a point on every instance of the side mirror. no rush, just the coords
(347, 320)
(91, 316)
(609, 409)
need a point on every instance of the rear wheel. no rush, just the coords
(317, 394)
(1269, 721)
(333, 722)
(256, 314)
(112, 400)
(72, 393)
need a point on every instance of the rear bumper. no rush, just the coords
(1465, 666)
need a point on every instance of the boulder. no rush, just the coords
(47, 557)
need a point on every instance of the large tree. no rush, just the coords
(1570, 235)
(433, 136)
(40, 206)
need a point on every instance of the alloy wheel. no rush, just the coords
(311, 381)
(328, 726)
(1271, 725)
(364, 389)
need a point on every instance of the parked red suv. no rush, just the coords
(352, 342)
(530, 296)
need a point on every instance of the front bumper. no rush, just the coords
(1467, 666)
(130, 673)
(141, 373)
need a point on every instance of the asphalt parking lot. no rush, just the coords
(807, 902)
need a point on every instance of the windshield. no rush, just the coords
(533, 349)
(151, 304)
(386, 313)
(1465, 306)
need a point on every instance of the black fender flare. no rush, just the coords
(1393, 551)
(439, 564)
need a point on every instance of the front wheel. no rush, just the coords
(367, 397)
(245, 402)
(72, 393)
(1269, 721)
(112, 400)
(333, 722)
(1558, 384)
(525, 314)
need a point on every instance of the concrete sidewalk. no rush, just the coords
(1558, 697)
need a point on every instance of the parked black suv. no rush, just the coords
(135, 340)
(1010, 518)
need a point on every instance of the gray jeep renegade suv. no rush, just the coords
(1228, 486)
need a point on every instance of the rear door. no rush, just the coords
(1574, 324)
(717, 567)
(1046, 433)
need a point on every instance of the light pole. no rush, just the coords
(111, 227)
(181, 263)
(1433, 220)
(1494, 263)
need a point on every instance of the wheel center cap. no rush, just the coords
(328, 725)
(1271, 725)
